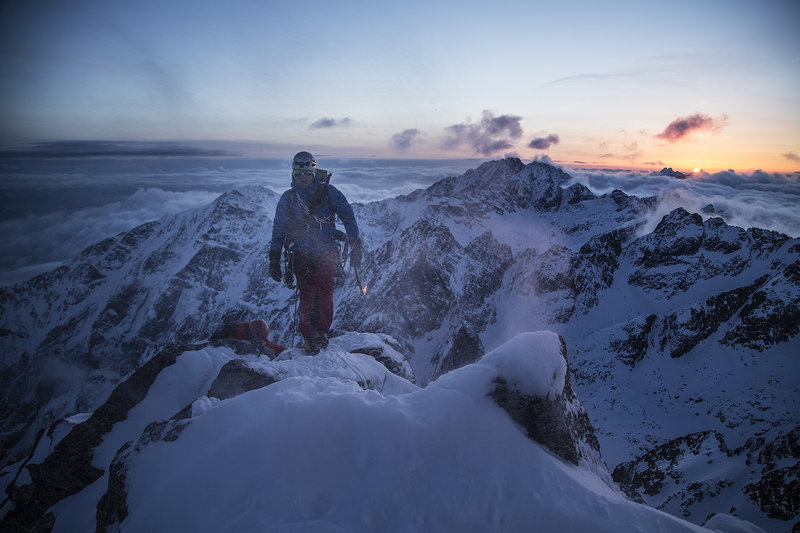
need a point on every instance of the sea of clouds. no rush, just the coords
(756, 199)
(52, 208)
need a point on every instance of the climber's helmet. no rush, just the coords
(303, 168)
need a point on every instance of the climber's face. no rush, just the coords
(303, 177)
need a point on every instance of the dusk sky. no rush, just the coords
(712, 84)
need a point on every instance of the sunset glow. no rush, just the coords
(610, 92)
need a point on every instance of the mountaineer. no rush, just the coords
(305, 226)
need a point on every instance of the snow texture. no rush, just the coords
(316, 451)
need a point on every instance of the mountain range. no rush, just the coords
(678, 332)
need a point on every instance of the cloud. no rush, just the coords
(492, 134)
(757, 199)
(543, 143)
(683, 127)
(792, 157)
(325, 123)
(584, 77)
(402, 141)
(35, 244)
(68, 149)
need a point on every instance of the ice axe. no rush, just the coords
(361, 286)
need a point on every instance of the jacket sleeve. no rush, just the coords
(280, 222)
(344, 211)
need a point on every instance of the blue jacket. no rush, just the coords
(311, 233)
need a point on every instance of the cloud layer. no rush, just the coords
(59, 149)
(759, 199)
(34, 244)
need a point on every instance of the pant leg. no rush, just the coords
(323, 282)
(303, 274)
(315, 277)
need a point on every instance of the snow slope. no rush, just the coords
(340, 444)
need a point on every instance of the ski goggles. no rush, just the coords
(302, 174)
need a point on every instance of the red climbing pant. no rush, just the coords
(314, 275)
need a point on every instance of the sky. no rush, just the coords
(710, 84)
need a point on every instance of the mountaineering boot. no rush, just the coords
(317, 342)
(321, 338)
(308, 346)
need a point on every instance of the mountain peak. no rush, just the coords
(671, 173)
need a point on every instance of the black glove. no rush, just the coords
(355, 253)
(275, 266)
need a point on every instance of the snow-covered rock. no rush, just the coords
(334, 442)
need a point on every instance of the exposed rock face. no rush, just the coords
(558, 423)
(113, 505)
(238, 377)
(68, 469)
(663, 472)
(683, 250)
(772, 315)
(423, 292)
(679, 234)
(466, 348)
(683, 330)
(634, 340)
(662, 464)
(777, 492)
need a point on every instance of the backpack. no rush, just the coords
(315, 203)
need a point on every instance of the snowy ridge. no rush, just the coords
(677, 327)
(336, 443)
